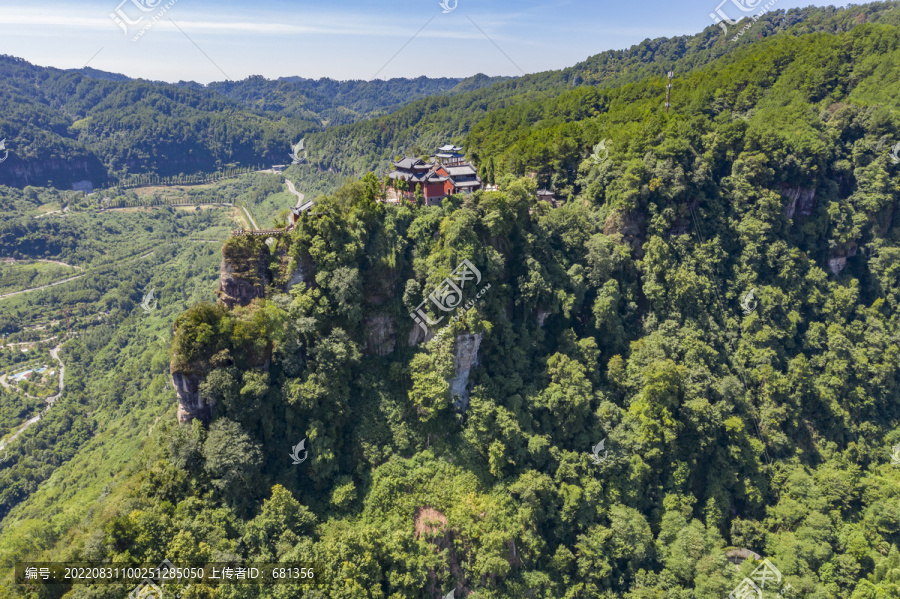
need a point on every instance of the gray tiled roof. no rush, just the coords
(460, 171)
(427, 177)
(409, 163)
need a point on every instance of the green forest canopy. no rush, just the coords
(620, 316)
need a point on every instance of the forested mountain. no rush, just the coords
(340, 102)
(691, 362)
(423, 125)
(62, 127)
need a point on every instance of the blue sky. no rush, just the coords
(211, 40)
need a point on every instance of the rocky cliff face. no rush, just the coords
(417, 335)
(380, 335)
(63, 172)
(802, 201)
(465, 358)
(304, 272)
(838, 260)
(190, 404)
(542, 317)
(243, 279)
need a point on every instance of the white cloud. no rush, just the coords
(354, 24)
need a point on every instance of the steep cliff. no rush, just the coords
(191, 405)
(380, 335)
(245, 270)
(802, 201)
(465, 357)
(64, 173)
(630, 227)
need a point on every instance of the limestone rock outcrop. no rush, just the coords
(244, 276)
(380, 335)
(465, 357)
(802, 201)
(630, 226)
(191, 405)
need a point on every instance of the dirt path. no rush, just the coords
(30, 342)
(224, 204)
(250, 218)
(62, 372)
(4, 444)
(68, 279)
(41, 287)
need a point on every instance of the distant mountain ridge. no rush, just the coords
(67, 126)
(340, 102)
(63, 127)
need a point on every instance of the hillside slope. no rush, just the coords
(696, 352)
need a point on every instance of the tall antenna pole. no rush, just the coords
(670, 74)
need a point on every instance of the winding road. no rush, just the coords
(68, 279)
(41, 287)
(300, 197)
(50, 400)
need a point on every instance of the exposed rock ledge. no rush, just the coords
(803, 201)
(190, 404)
(380, 338)
(464, 359)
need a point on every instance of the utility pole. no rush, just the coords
(669, 90)
(68, 328)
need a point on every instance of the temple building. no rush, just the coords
(449, 156)
(418, 173)
(297, 213)
(463, 178)
(449, 174)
